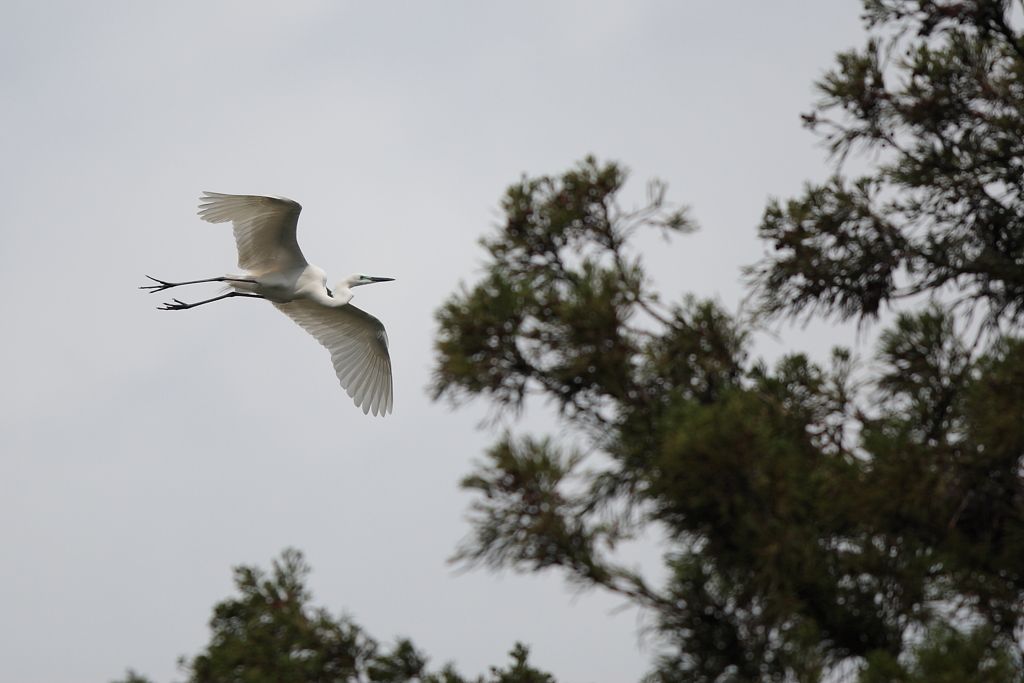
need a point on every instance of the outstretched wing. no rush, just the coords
(359, 349)
(264, 229)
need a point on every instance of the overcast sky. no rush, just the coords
(143, 453)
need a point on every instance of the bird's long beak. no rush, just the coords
(382, 279)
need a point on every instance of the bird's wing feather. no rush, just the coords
(264, 229)
(359, 349)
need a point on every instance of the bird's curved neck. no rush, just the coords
(338, 298)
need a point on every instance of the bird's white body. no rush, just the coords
(275, 269)
(308, 282)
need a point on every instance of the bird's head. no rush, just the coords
(343, 290)
(360, 279)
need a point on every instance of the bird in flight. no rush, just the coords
(276, 270)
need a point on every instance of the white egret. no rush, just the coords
(276, 270)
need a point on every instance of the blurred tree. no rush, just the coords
(132, 676)
(823, 521)
(938, 93)
(271, 634)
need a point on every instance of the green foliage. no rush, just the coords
(938, 93)
(538, 318)
(519, 671)
(271, 633)
(950, 656)
(821, 519)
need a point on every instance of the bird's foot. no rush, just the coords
(159, 287)
(176, 306)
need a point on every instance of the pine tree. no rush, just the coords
(271, 633)
(823, 517)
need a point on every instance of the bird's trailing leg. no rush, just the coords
(181, 305)
(161, 285)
